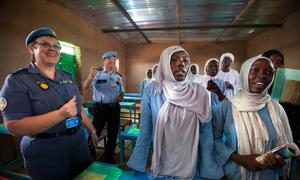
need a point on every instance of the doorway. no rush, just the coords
(70, 61)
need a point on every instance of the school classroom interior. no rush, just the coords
(139, 30)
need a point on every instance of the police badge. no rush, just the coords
(43, 85)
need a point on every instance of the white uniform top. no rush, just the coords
(233, 78)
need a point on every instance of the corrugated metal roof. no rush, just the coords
(182, 20)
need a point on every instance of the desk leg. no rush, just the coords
(132, 144)
(130, 115)
(121, 142)
(134, 111)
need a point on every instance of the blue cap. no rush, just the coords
(109, 54)
(44, 31)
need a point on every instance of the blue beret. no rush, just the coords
(44, 31)
(109, 54)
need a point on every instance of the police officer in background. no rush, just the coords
(108, 91)
(43, 105)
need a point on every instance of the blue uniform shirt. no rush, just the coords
(106, 86)
(207, 167)
(28, 92)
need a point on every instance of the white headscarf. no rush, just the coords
(155, 65)
(147, 79)
(192, 76)
(252, 135)
(205, 77)
(228, 54)
(147, 70)
(176, 135)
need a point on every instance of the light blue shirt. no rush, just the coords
(226, 140)
(151, 104)
(143, 84)
(214, 97)
(106, 87)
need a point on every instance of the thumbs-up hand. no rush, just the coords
(69, 109)
(93, 71)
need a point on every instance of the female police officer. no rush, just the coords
(43, 105)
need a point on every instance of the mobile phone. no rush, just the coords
(284, 152)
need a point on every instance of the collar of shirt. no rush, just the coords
(34, 70)
(106, 71)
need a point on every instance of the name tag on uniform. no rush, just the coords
(100, 81)
(71, 122)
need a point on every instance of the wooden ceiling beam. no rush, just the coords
(136, 27)
(237, 17)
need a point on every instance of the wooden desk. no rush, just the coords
(133, 94)
(100, 171)
(131, 133)
(3, 129)
(87, 112)
(132, 99)
(131, 107)
(13, 159)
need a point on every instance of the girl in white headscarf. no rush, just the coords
(154, 69)
(173, 110)
(250, 125)
(206, 77)
(146, 80)
(194, 72)
(214, 85)
(229, 75)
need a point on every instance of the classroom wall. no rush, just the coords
(142, 56)
(19, 17)
(285, 39)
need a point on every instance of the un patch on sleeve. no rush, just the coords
(3, 103)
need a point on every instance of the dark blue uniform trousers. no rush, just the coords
(109, 114)
(56, 158)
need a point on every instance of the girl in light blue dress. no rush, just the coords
(251, 124)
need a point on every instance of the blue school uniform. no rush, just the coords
(226, 140)
(214, 98)
(207, 167)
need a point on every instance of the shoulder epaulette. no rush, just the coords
(99, 68)
(119, 73)
(23, 69)
(65, 71)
